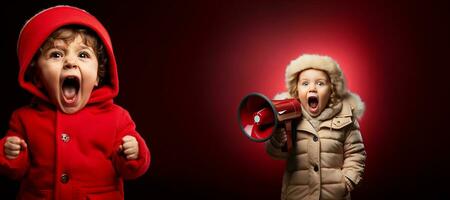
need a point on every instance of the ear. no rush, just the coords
(97, 81)
(35, 73)
(37, 81)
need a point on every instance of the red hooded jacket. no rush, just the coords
(70, 156)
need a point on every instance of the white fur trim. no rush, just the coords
(358, 106)
(331, 67)
(312, 61)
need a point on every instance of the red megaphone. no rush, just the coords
(259, 116)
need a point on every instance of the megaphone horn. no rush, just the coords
(259, 116)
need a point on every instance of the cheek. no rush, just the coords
(302, 96)
(301, 91)
(48, 75)
(326, 95)
(90, 73)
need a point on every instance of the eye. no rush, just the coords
(55, 54)
(84, 54)
(305, 83)
(321, 83)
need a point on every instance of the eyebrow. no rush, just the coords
(64, 46)
(321, 79)
(83, 46)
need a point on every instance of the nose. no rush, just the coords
(312, 88)
(70, 63)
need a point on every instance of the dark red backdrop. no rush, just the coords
(184, 67)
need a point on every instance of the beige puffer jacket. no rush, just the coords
(326, 163)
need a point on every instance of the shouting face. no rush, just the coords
(314, 90)
(68, 72)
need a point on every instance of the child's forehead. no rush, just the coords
(313, 73)
(64, 32)
(59, 42)
(65, 37)
(78, 41)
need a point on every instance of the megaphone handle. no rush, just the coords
(288, 146)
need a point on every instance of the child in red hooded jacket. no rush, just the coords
(72, 142)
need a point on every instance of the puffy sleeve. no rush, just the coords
(354, 156)
(14, 168)
(275, 152)
(130, 169)
(274, 147)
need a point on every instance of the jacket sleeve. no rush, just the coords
(275, 152)
(14, 168)
(354, 156)
(274, 147)
(130, 169)
(278, 149)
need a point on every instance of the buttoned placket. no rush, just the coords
(63, 173)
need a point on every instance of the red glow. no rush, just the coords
(254, 58)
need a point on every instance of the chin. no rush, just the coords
(313, 114)
(71, 109)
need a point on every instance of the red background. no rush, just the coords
(184, 67)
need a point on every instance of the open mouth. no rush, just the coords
(70, 88)
(313, 103)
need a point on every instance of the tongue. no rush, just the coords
(313, 104)
(69, 92)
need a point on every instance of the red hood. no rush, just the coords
(38, 28)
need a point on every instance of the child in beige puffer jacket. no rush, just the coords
(328, 157)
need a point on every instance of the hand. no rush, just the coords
(129, 147)
(13, 146)
(279, 138)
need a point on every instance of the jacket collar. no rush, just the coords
(340, 120)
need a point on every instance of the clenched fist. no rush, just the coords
(129, 147)
(13, 146)
(279, 138)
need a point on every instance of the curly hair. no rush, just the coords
(68, 34)
(334, 96)
(318, 62)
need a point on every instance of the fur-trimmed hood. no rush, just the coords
(329, 66)
(319, 62)
(37, 29)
